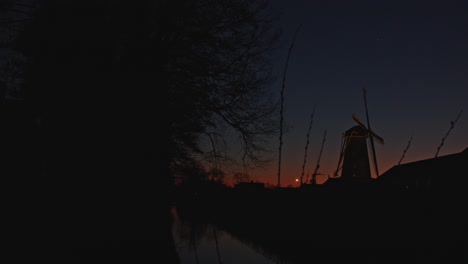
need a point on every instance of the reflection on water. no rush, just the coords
(230, 240)
(204, 243)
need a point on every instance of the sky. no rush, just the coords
(411, 56)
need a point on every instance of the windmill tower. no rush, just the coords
(354, 161)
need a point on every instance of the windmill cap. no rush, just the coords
(356, 129)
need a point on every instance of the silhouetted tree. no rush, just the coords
(13, 16)
(241, 177)
(127, 90)
(191, 174)
(220, 81)
(11, 70)
(217, 175)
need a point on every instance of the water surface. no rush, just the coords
(205, 243)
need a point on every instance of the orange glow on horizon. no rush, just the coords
(292, 169)
(290, 173)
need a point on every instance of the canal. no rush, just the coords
(206, 244)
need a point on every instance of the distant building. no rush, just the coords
(440, 173)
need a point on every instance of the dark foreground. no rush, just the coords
(370, 226)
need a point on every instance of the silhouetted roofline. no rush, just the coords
(425, 162)
(439, 157)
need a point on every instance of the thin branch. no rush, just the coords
(282, 103)
(406, 149)
(452, 125)
(307, 144)
(314, 175)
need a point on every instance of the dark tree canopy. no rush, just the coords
(125, 92)
(184, 70)
(218, 71)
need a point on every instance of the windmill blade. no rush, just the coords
(356, 118)
(371, 137)
(379, 139)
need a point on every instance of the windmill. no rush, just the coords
(354, 157)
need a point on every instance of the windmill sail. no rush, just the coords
(377, 137)
(371, 137)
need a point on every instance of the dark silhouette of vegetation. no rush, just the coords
(241, 177)
(283, 87)
(317, 167)
(125, 92)
(307, 145)
(217, 175)
(404, 151)
(452, 125)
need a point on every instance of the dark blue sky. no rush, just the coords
(412, 57)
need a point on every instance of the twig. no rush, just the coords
(314, 175)
(452, 125)
(282, 104)
(406, 149)
(307, 144)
